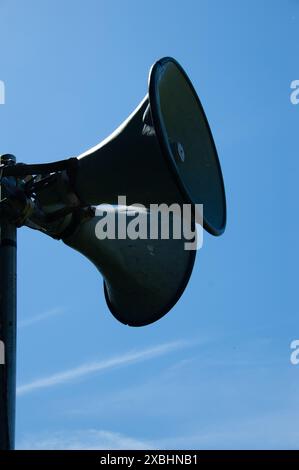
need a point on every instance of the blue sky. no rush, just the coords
(215, 372)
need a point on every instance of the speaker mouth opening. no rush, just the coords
(186, 141)
(126, 319)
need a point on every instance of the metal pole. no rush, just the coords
(8, 259)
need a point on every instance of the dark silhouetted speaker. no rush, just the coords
(163, 153)
(143, 278)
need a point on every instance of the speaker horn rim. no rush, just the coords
(154, 106)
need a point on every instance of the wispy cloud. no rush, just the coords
(41, 317)
(92, 367)
(88, 439)
(272, 430)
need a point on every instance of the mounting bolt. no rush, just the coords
(178, 152)
(7, 159)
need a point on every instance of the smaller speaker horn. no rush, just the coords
(143, 277)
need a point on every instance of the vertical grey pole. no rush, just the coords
(8, 258)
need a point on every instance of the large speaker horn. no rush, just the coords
(163, 153)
